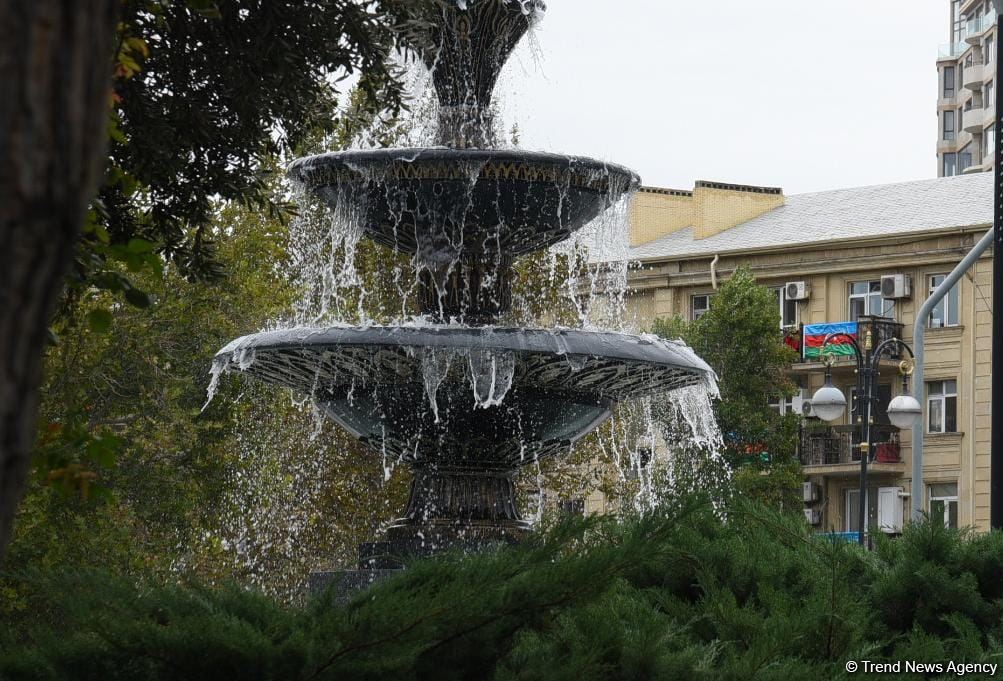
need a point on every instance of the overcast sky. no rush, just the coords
(799, 94)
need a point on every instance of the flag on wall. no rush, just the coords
(815, 334)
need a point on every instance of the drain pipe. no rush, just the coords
(918, 334)
(713, 270)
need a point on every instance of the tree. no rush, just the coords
(204, 91)
(131, 474)
(740, 338)
(55, 72)
(201, 93)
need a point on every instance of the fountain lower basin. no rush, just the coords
(472, 397)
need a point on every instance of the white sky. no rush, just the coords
(800, 94)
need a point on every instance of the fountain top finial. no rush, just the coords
(465, 46)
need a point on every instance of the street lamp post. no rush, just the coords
(828, 403)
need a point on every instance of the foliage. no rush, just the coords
(131, 473)
(204, 95)
(684, 593)
(739, 336)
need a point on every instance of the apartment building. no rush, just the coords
(865, 259)
(966, 98)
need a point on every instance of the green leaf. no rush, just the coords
(139, 246)
(110, 281)
(99, 320)
(114, 132)
(102, 450)
(133, 262)
(137, 298)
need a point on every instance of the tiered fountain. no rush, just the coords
(465, 402)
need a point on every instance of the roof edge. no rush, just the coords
(812, 244)
(748, 188)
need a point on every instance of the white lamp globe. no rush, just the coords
(903, 411)
(828, 403)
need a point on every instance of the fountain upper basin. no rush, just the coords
(502, 396)
(456, 202)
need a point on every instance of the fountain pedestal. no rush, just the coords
(449, 510)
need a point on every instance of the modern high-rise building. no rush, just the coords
(966, 112)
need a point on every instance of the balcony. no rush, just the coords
(834, 450)
(807, 341)
(976, 26)
(951, 51)
(973, 119)
(972, 76)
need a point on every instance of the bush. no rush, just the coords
(691, 592)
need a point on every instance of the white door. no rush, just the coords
(890, 510)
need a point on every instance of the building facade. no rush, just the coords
(826, 256)
(966, 98)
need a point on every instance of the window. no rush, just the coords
(987, 96)
(865, 299)
(884, 509)
(957, 30)
(942, 407)
(788, 308)
(965, 158)
(571, 507)
(944, 503)
(949, 82)
(988, 51)
(946, 312)
(699, 305)
(989, 152)
(948, 125)
(787, 405)
(853, 509)
(950, 164)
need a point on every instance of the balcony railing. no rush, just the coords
(807, 339)
(823, 445)
(951, 50)
(976, 26)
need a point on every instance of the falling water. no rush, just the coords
(651, 445)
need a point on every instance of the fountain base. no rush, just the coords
(450, 510)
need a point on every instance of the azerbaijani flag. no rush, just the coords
(815, 334)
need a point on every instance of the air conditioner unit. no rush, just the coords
(813, 516)
(797, 290)
(894, 286)
(807, 410)
(810, 491)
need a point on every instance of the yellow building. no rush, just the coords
(870, 256)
